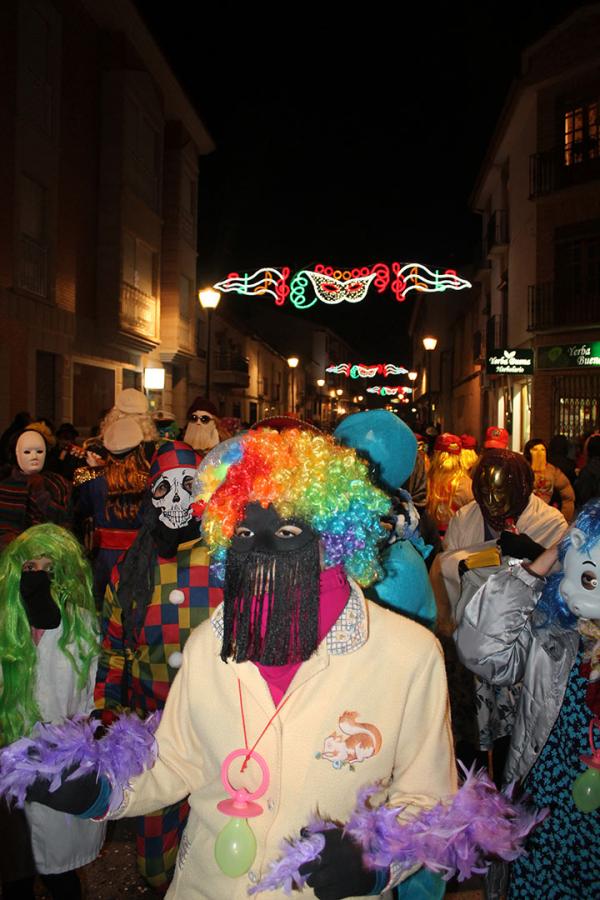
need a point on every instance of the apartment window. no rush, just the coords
(139, 265)
(581, 133)
(188, 195)
(185, 296)
(37, 51)
(33, 250)
(142, 141)
(578, 269)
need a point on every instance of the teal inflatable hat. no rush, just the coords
(385, 440)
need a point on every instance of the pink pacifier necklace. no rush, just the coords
(235, 847)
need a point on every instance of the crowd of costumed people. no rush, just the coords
(353, 664)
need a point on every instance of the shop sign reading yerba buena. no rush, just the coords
(509, 362)
(569, 356)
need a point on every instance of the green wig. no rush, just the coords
(71, 588)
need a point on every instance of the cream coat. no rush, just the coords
(386, 669)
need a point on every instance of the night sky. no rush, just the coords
(345, 139)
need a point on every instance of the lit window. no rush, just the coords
(581, 134)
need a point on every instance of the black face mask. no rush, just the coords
(272, 577)
(41, 610)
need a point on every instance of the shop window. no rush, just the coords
(576, 404)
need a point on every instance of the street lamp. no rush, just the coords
(430, 343)
(339, 392)
(209, 300)
(412, 376)
(292, 363)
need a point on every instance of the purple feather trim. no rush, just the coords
(456, 837)
(128, 748)
(284, 873)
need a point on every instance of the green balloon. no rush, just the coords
(586, 790)
(235, 848)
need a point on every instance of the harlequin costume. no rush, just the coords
(158, 595)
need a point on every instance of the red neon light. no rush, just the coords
(282, 288)
(398, 285)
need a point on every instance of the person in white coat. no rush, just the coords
(49, 647)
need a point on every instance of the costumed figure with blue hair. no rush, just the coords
(304, 769)
(390, 448)
(49, 644)
(538, 621)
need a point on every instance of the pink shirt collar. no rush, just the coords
(333, 596)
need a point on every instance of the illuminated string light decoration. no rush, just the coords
(360, 370)
(332, 286)
(390, 391)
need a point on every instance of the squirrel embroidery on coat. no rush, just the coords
(353, 742)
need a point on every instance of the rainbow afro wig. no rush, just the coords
(305, 476)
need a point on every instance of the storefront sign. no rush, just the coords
(510, 362)
(569, 356)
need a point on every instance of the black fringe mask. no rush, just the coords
(281, 589)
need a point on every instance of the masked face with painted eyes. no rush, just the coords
(580, 586)
(172, 494)
(271, 589)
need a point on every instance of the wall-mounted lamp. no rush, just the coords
(154, 379)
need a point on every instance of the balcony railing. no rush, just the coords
(497, 230)
(33, 275)
(548, 172)
(231, 368)
(555, 306)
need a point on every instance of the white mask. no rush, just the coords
(580, 587)
(30, 451)
(172, 495)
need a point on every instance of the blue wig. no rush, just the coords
(552, 609)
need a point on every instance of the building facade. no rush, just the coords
(99, 163)
(539, 197)
(522, 349)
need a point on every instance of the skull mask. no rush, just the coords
(172, 494)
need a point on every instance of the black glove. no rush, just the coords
(74, 797)
(521, 546)
(339, 870)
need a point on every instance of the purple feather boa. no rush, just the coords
(128, 748)
(456, 837)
